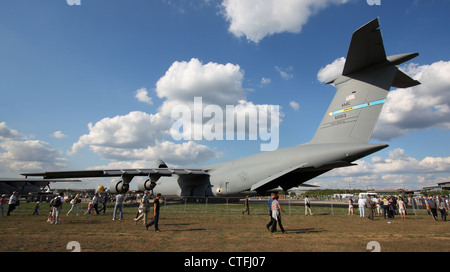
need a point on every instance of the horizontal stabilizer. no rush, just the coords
(402, 80)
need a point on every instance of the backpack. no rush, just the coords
(56, 202)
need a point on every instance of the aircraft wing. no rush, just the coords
(26, 185)
(17, 181)
(117, 173)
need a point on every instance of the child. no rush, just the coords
(89, 210)
(36, 209)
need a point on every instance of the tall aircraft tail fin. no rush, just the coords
(362, 88)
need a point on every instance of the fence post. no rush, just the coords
(332, 210)
(227, 205)
(289, 203)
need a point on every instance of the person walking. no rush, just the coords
(36, 208)
(442, 208)
(308, 206)
(118, 207)
(12, 203)
(276, 215)
(144, 208)
(361, 206)
(95, 200)
(155, 219)
(391, 207)
(350, 206)
(269, 203)
(104, 200)
(74, 203)
(56, 208)
(2, 204)
(247, 207)
(369, 205)
(385, 204)
(432, 207)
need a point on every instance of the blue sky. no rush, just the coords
(70, 78)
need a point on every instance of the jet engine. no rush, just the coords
(150, 183)
(119, 188)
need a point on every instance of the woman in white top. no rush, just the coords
(276, 216)
(401, 207)
(74, 203)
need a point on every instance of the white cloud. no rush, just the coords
(265, 81)
(256, 19)
(140, 136)
(294, 105)
(142, 96)
(332, 70)
(18, 153)
(419, 107)
(8, 133)
(30, 155)
(219, 84)
(285, 73)
(395, 171)
(59, 135)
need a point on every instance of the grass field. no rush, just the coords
(221, 228)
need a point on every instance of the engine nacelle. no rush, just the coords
(119, 188)
(147, 185)
(160, 164)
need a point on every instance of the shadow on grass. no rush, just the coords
(300, 231)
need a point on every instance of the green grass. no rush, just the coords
(221, 228)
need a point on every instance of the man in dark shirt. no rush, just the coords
(155, 213)
(432, 208)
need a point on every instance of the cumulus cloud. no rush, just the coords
(140, 136)
(22, 154)
(8, 133)
(396, 170)
(332, 70)
(256, 19)
(294, 105)
(420, 107)
(142, 96)
(219, 84)
(58, 135)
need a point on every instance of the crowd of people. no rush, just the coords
(389, 206)
(56, 204)
(386, 206)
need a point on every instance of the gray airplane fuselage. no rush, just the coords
(238, 177)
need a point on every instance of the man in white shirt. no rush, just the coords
(308, 206)
(12, 203)
(361, 206)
